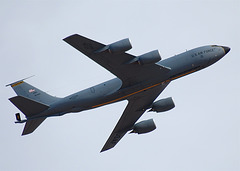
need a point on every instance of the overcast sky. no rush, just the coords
(201, 133)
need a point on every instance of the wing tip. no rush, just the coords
(67, 38)
(104, 149)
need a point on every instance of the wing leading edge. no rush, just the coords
(137, 105)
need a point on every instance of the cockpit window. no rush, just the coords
(214, 46)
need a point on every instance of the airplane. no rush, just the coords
(140, 80)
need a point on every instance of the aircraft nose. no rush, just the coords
(226, 49)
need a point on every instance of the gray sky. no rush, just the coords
(201, 133)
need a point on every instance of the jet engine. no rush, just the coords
(163, 105)
(120, 46)
(144, 127)
(149, 58)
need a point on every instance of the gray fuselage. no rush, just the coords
(111, 91)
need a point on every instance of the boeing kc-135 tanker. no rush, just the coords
(140, 80)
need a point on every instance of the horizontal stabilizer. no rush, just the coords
(27, 106)
(31, 125)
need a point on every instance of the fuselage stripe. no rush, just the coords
(126, 96)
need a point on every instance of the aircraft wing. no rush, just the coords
(137, 105)
(118, 64)
(131, 73)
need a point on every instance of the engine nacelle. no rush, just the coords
(144, 127)
(120, 46)
(163, 105)
(149, 58)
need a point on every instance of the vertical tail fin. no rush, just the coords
(26, 90)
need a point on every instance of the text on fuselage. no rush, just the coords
(202, 52)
